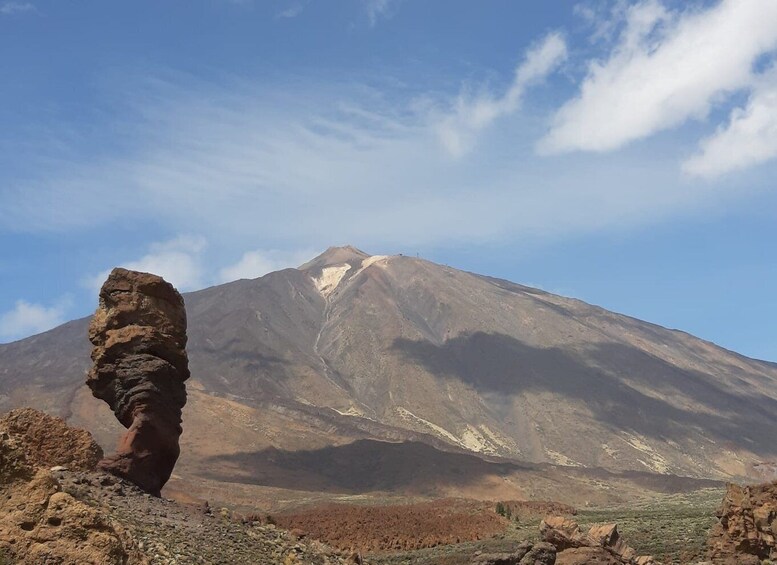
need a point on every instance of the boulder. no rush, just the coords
(48, 441)
(140, 367)
(602, 544)
(41, 524)
(747, 526)
(526, 553)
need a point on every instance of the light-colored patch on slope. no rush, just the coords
(471, 438)
(352, 411)
(373, 259)
(561, 459)
(370, 261)
(499, 440)
(657, 461)
(406, 414)
(330, 278)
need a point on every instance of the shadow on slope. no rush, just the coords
(607, 377)
(411, 468)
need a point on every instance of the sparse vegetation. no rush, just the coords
(673, 528)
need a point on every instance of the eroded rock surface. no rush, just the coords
(39, 523)
(601, 545)
(48, 441)
(747, 526)
(140, 366)
(526, 553)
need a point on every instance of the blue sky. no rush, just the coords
(624, 153)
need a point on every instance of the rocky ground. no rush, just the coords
(67, 514)
(168, 533)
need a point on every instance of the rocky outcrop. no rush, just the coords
(747, 526)
(526, 553)
(48, 441)
(42, 524)
(602, 544)
(140, 365)
(39, 523)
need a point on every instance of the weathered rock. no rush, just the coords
(540, 554)
(747, 526)
(525, 554)
(601, 545)
(13, 460)
(48, 441)
(140, 366)
(41, 524)
(587, 556)
(38, 522)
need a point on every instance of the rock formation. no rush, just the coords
(602, 544)
(39, 523)
(747, 526)
(526, 553)
(48, 441)
(140, 365)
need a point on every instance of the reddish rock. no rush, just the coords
(601, 545)
(747, 526)
(48, 441)
(140, 366)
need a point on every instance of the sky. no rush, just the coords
(619, 152)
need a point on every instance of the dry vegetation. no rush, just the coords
(399, 527)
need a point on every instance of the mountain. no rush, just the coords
(351, 347)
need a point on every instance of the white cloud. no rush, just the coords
(27, 318)
(749, 138)
(667, 67)
(291, 12)
(378, 9)
(256, 263)
(458, 130)
(9, 8)
(178, 261)
(305, 164)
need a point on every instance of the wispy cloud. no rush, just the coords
(458, 130)
(178, 261)
(242, 163)
(667, 67)
(380, 9)
(9, 8)
(259, 262)
(299, 164)
(292, 11)
(27, 318)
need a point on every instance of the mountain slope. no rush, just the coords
(351, 346)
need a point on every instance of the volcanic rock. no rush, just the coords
(601, 545)
(39, 523)
(526, 553)
(140, 365)
(48, 441)
(747, 526)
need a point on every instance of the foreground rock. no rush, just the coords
(39, 523)
(526, 553)
(747, 526)
(48, 441)
(140, 365)
(63, 516)
(602, 545)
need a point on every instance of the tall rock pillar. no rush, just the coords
(140, 366)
